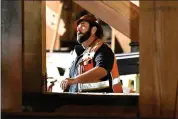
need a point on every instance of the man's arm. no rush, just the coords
(93, 75)
(104, 62)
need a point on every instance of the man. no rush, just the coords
(94, 66)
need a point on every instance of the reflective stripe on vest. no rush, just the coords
(98, 85)
(94, 86)
(87, 64)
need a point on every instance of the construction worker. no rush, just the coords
(94, 68)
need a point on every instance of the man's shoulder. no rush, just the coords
(104, 52)
(105, 48)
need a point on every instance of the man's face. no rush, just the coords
(83, 31)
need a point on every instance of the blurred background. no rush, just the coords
(61, 39)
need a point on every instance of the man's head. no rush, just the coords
(87, 26)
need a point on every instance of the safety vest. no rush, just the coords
(87, 64)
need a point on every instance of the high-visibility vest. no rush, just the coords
(87, 64)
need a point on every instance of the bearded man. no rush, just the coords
(94, 68)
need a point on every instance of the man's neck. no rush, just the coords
(89, 42)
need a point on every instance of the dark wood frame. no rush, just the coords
(155, 49)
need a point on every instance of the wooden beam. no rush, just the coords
(52, 18)
(32, 71)
(113, 39)
(124, 41)
(122, 15)
(158, 58)
(55, 35)
(11, 56)
(43, 14)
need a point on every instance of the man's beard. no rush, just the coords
(82, 37)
